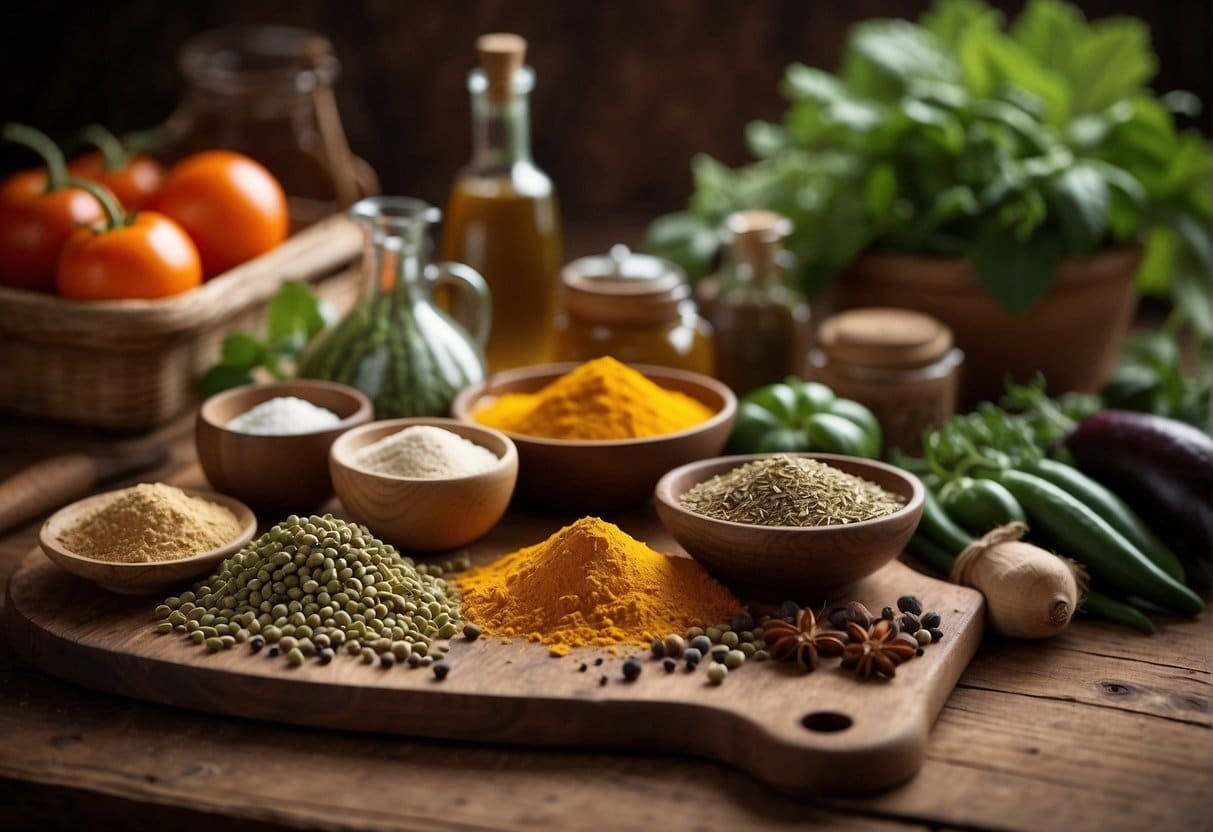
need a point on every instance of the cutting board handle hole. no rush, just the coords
(826, 722)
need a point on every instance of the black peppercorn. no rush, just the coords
(602, 681)
(930, 619)
(838, 618)
(887, 614)
(910, 622)
(583, 668)
(631, 669)
(325, 655)
(598, 662)
(719, 654)
(386, 660)
(471, 632)
(910, 603)
(669, 665)
(657, 648)
(256, 643)
(441, 669)
(936, 634)
(272, 652)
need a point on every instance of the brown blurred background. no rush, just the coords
(627, 90)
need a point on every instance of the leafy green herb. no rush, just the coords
(294, 317)
(959, 136)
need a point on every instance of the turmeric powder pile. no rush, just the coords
(601, 399)
(592, 584)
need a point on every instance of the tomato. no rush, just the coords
(134, 181)
(38, 212)
(144, 256)
(232, 207)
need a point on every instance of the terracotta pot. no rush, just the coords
(1071, 334)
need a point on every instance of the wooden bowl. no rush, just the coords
(604, 475)
(780, 563)
(424, 515)
(139, 578)
(281, 474)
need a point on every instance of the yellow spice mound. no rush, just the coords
(601, 399)
(592, 584)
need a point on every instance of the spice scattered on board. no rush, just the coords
(425, 452)
(284, 415)
(599, 400)
(592, 584)
(314, 583)
(151, 522)
(790, 491)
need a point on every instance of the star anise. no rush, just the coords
(877, 650)
(798, 642)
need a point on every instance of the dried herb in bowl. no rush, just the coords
(790, 491)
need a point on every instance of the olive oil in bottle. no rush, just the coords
(502, 218)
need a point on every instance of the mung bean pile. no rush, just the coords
(790, 491)
(310, 586)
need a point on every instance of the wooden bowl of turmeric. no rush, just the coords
(597, 436)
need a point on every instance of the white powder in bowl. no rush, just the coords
(284, 415)
(425, 452)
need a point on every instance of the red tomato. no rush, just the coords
(232, 207)
(133, 184)
(34, 225)
(151, 257)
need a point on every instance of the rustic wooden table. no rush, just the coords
(1099, 729)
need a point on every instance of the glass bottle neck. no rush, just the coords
(501, 129)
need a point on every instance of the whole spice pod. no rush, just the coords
(1030, 593)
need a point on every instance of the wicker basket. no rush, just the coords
(131, 365)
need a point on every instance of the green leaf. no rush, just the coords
(806, 83)
(688, 240)
(240, 349)
(884, 56)
(992, 61)
(1016, 273)
(879, 190)
(294, 315)
(1049, 31)
(951, 20)
(1111, 63)
(1082, 202)
(223, 377)
(765, 139)
(1193, 296)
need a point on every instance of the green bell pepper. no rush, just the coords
(801, 415)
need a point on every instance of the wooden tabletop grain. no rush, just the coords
(1098, 729)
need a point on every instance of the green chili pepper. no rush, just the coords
(1090, 539)
(980, 505)
(804, 416)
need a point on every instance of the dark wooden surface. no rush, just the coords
(1098, 729)
(628, 90)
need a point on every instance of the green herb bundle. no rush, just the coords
(958, 136)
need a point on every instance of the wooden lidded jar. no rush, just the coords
(901, 364)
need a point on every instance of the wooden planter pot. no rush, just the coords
(1071, 334)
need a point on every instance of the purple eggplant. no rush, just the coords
(1162, 465)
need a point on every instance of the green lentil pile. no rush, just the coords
(310, 586)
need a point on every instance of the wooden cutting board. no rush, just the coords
(822, 733)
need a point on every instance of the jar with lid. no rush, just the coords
(760, 321)
(901, 364)
(634, 307)
(267, 92)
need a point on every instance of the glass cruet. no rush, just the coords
(402, 350)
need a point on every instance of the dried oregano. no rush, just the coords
(790, 491)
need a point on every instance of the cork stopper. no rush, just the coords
(756, 238)
(501, 56)
(884, 337)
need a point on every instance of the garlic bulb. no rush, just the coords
(1030, 593)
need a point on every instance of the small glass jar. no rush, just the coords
(759, 319)
(267, 92)
(634, 307)
(901, 364)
